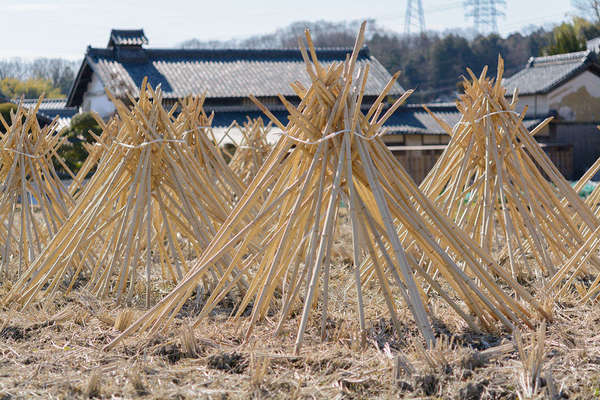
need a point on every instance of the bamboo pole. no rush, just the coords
(523, 207)
(161, 186)
(34, 203)
(331, 150)
(252, 150)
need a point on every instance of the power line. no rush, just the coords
(427, 11)
(534, 19)
(444, 8)
(414, 17)
(485, 13)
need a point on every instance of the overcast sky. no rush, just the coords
(64, 28)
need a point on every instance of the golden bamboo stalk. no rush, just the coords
(160, 193)
(330, 151)
(490, 179)
(34, 203)
(252, 150)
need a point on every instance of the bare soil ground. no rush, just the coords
(53, 350)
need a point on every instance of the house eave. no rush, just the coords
(77, 89)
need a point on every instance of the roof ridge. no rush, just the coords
(45, 100)
(127, 37)
(364, 51)
(221, 73)
(116, 30)
(565, 58)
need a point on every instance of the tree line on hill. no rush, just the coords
(432, 62)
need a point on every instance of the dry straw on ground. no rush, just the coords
(34, 203)
(490, 181)
(68, 332)
(159, 194)
(331, 153)
(55, 352)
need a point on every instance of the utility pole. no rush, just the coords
(485, 14)
(414, 17)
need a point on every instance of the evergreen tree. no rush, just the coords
(565, 39)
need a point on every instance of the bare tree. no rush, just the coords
(588, 8)
(60, 72)
(13, 68)
(324, 34)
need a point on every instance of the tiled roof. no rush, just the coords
(593, 44)
(127, 37)
(543, 74)
(409, 119)
(52, 108)
(220, 73)
(416, 120)
(47, 104)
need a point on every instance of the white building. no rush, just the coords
(567, 87)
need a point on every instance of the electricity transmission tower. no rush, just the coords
(414, 17)
(485, 13)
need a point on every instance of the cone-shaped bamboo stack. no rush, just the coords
(252, 150)
(200, 137)
(489, 182)
(33, 201)
(151, 205)
(593, 199)
(576, 266)
(330, 152)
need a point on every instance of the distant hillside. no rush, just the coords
(432, 63)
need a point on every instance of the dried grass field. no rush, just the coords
(54, 350)
(306, 250)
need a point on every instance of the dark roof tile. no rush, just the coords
(414, 119)
(543, 74)
(220, 73)
(127, 37)
(52, 108)
(409, 119)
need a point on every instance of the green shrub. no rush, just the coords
(72, 151)
(5, 109)
(228, 151)
(82, 123)
(30, 88)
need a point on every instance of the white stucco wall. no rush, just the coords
(575, 100)
(95, 98)
(578, 99)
